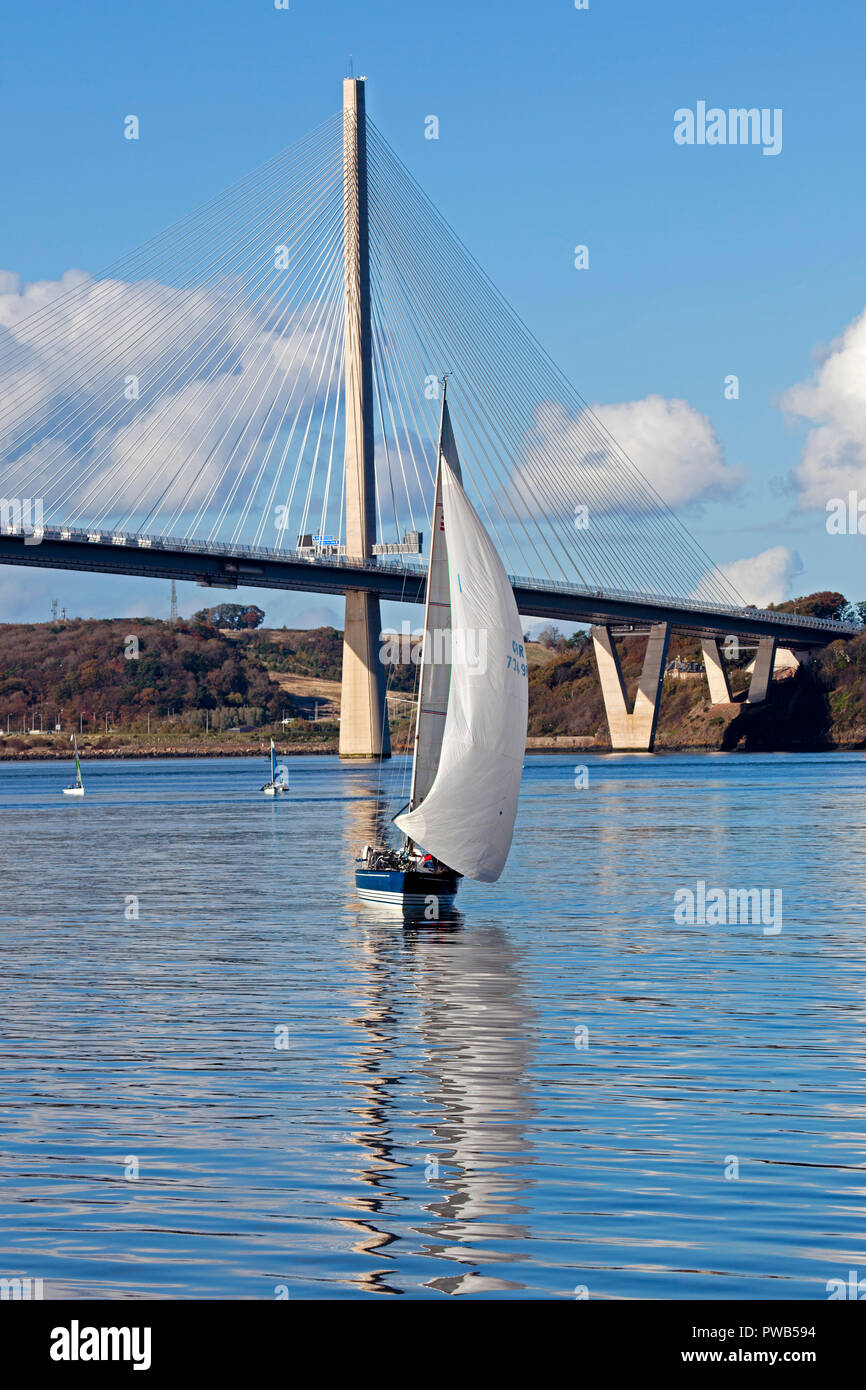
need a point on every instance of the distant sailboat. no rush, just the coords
(279, 782)
(77, 787)
(470, 734)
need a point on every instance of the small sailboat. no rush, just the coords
(279, 783)
(470, 730)
(77, 787)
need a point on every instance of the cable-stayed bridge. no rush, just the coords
(252, 397)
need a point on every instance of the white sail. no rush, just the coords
(467, 817)
(435, 677)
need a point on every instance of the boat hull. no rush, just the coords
(275, 791)
(73, 791)
(408, 892)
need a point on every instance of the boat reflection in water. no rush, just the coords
(476, 1026)
(453, 986)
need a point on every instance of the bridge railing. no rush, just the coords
(137, 541)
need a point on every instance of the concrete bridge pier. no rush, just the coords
(363, 721)
(717, 676)
(363, 715)
(762, 673)
(635, 730)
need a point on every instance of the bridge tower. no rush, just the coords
(363, 719)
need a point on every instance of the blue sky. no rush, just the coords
(556, 128)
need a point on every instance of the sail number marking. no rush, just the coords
(515, 661)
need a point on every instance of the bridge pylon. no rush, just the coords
(363, 714)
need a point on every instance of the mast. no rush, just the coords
(437, 567)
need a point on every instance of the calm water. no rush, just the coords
(430, 1126)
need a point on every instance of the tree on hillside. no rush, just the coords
(235, 616)
(825, 604)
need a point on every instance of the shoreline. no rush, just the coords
(556, 744)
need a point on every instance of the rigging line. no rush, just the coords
(266, 356)
(427, 260)
(428, 507)
(186, 354)
(384, 366)
(302, 325)
(307, 324)
(281, 308)
(431, 315)
(425, 314)
(449, 357)
(237, 186)
(396, 376)
(166, 418)
(286, 508)
(432, 425)
(401, 362)
(324, 339)
(480, 456)
(510, 313)
(329, 297)
(245, 297)
(333, 348)
(323, 525)
(377, 391)
(343, 485)
(322, 327)
(263, 466)
(288, 505)
(130, 310)
(378, 504)
(218, 327)
(677, 522)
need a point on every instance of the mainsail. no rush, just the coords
(435, 677)
(467, 817)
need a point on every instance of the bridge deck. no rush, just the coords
(223, 566)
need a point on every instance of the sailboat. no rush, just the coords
(279, 782)
(77, 787)
(470, 730)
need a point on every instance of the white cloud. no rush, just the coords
(833, 400)
(673, 445)
(69, 348)
(765, 578)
